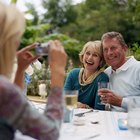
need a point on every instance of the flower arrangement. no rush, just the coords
(37, 74)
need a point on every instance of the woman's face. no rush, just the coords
(91, 59)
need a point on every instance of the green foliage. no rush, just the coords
(59, 12)
(90, 19)
(37, 33)
(135, 50)
(33, 33)
(96, 17)
(72, 46)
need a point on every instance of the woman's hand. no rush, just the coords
(25, 57)
(81, 105)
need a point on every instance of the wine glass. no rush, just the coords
(104, 84)
(134, 117)
(71, 98)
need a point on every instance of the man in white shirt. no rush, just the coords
(124, 72)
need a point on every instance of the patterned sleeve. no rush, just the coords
(16, 109)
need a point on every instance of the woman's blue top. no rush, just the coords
(88, 93)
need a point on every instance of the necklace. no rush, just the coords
(85, 88)
(82, 80)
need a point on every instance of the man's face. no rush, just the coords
(114, 52)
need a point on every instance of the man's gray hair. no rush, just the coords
(111, 35)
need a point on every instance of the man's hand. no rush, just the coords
(108, 96)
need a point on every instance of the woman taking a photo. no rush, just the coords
(14, 107)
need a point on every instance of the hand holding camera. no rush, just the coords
(42, 48)
(55, 51)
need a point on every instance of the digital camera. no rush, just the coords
(42, 48)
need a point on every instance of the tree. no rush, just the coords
(96, 17)
(33, 12)
(58, 13)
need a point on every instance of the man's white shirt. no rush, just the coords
(125, 81)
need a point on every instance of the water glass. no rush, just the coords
(134, 116)
(71, 97)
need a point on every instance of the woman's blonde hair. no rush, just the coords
(12, 25)
(97, 45)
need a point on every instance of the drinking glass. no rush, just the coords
(71, 97)
(104, 84)
(134, 117)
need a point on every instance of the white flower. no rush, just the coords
(30, 69)
(37, 64)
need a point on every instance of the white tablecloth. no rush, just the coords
(106, 129)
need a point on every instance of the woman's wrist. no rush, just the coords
(57, 79)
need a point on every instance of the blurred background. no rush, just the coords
(75, 22)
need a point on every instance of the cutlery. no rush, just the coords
(94, 122)
(91, 137)
(82, 114)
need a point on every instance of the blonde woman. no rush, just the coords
(14, 107)
(86, 79)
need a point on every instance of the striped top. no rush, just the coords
(14, 107)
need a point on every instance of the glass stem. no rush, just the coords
(107, 107)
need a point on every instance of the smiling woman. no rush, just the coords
(86, 79)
